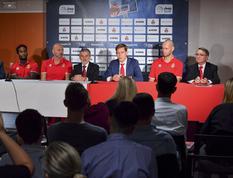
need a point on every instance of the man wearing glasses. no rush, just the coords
(202, 72)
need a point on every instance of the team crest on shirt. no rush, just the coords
(63, 65)
(50, 65)
(17, 68)
(160, 65)
(173, 65)
(28, 66)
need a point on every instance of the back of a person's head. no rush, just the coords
(126, 89)
(62, 161)
(145, 104)
(166, 83)
(125, 114)
(30, 124)
(76, 97)
(228, 91)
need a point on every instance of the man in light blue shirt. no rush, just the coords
(119, 157)
(171, 117)
(159, 141)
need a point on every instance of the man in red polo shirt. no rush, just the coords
(57, 67)
(23, 68)
(167, 63)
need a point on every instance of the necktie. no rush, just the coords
(122, 70)
(84, 72)
(200, 72)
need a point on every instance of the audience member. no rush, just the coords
(123, 66)
(62, 161)
(23, 166)
(30, 125)
(202, 71)
(167, 63)
(118, 156)
(159, 141)
(74, 130)
(169, 116)
(56, 68)
(85, 70)
(98, 114)
(24, 68)
(125, 91)
(219, 122)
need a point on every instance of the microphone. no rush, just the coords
(8, 78)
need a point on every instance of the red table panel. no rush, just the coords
(199, 100)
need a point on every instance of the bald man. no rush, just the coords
(167, 63)
(57, 67)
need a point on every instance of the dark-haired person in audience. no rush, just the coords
(220, 122)
(24, 68)
(167, 63)
(22, 164)
(118, 156)
(123, 66)
(159, 141)
(202, 71)
(74, 130)
(30, 125)
(61, 160)
(85, 70)
(171, 117)
(2, 71)
(57, 67)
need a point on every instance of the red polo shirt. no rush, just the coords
(175, 66)
(56, 71)
(24, 70)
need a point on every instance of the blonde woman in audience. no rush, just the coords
(62, 161)
(126, 90)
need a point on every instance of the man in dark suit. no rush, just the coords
(2, 71)
(86, 70)
(202, 72)
(123, 66)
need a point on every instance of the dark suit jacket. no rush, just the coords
(132, 69)
(92, 71)
(211, 72)
(2, 71)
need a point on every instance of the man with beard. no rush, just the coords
(57, 67)
(23, 68)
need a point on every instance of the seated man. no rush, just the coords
(86, 70)
(123, 66)
(23, 166)
(30, 126)
(203, 71)
(74, 130)
(57, 67)
(167, 63)
(118, 156)
(2, 71)
(159, 141)
(169, 116)
(24, 68)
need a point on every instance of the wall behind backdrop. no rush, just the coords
(25, 24)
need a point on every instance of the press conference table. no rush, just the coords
(199, 100)
(47, 96)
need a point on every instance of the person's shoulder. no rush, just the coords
(179, 107)
(211, 65)
(66, 61)
(177, 60)
(93, 64)
(78, 65)
(47, 61)
(94, 128)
